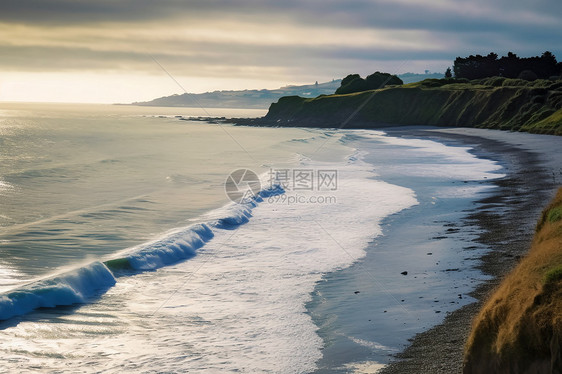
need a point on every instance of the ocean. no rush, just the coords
(142, 239)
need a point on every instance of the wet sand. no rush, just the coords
(507, 217)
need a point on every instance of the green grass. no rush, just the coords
(555, 214)
(496, 103)
(553, 275)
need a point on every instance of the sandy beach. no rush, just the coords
(533, 164)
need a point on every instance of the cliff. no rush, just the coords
(519, 329)
(497, 103)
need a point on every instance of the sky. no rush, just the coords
(121, 51)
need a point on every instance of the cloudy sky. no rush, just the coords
(115, 50)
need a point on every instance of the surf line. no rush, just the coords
(85, 283)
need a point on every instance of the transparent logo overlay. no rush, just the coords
(242, 185)
(300, 186)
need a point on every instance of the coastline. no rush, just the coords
(507, 217)
(416, 272)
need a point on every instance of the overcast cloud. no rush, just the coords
(281, 41)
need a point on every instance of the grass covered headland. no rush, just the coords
(519, 329)
(496, 103)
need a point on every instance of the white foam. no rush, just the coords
(249, 287)
(75, 286)
(438, 162)
(372, 345)
(174, 246)
(451, 162)
(240, 304)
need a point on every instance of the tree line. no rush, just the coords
(471, 67)
(510, 66)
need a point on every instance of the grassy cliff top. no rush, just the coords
(498, 103)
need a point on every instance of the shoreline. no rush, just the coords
(414, 273)
(507, 217)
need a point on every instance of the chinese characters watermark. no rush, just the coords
(304, 179)
(286, 186)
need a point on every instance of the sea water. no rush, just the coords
(120, 249)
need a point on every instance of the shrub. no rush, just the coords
(493, 81)
(510, 82)
(528, 75)
(354, 83)
(553, 275)
(554, 214)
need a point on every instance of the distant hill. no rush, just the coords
(250, 99)
(261, 99)
(415, 77)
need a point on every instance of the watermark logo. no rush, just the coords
(304, 179)
(298, 186)
(242, 185)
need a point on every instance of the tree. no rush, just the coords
(379, 80)
(354, 82)
(351, 77)
(492, 56)
(510, 66)
(448, 73)
(351, 83)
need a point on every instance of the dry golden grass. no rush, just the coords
(519, 329)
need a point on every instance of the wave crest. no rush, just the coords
(76, 286)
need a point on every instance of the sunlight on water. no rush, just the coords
(80, 180)
(118, 215)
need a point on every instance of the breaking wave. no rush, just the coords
(82, 284)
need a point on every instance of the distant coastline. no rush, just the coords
(260, 98)
(250, 99)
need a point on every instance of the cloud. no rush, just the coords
(451, 15)
(251, 39)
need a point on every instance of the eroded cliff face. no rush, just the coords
(532, 106)
(519, 329)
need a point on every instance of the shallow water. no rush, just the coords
(420, 269)
(209, 285)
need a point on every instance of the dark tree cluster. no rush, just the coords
(510, 66)
(354, 82)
